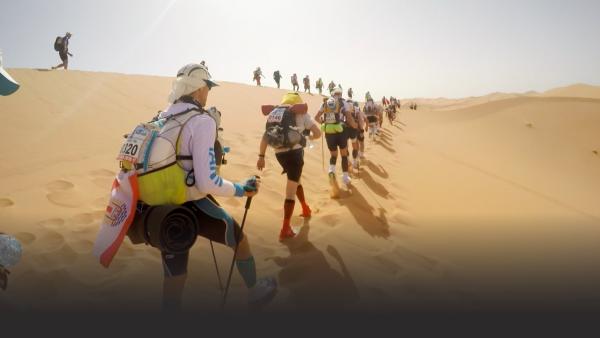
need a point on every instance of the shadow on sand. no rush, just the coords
(365, 214)
(398, 127)
(377, 169)
(384, 141)
(377, 187)
(312, 282)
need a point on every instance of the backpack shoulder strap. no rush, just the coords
(198, 111)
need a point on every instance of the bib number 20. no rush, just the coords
(133, 145)
(129, 149)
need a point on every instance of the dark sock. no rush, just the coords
(247, 269)
(345, 164)
(333, 160)
(354, 153)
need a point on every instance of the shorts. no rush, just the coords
(336, 140)
(292, 162)
(372, 119)
(214, 223)
(351, 133)
(361, 135)
(63, 56)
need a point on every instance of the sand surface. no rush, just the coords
(464, 202)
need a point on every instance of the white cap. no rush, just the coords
(189, 79)
(336, 91)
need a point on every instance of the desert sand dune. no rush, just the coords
(578, 90)
(462, 204)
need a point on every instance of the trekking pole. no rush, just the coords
(237, 244)
(212, 249)
(323, 151)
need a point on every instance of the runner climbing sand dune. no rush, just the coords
(285, 133)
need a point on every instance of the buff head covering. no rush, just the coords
(189, 79)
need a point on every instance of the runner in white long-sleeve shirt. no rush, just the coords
(197, 155)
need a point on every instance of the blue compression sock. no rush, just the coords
(247, 269)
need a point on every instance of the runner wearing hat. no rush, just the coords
(290, 156)
(334, 117)
(183, 172)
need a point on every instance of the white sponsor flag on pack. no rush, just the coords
(119, 215)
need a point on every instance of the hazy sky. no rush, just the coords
(402, 48)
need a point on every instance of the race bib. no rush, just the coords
(131, 149)
(330, 118)
(276, 116)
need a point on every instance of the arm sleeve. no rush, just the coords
(203, 134)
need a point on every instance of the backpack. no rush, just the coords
(58, 44)
(332, 115)
(281, 130)
(370, 109)
(161, 135)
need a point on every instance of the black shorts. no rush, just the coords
(292, 163)
(361, 135)
(63, 56)
(351, 133)
(337, 140)
(214, 223)
(372, 118)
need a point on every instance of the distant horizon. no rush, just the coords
(313, 91)
(424, 49)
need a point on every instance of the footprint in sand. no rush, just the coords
(82, 246)
(102, 178)
(25, 237)
(52, 222)
(331, 220)
(101, 202)
(59, 185)
(86, 223)
(6, 202)
(103, 182)
(62, 193)
(83, 219)
(50, 240)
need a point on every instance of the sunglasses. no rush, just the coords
(209, 84)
